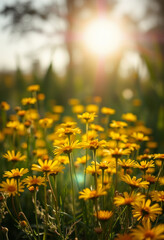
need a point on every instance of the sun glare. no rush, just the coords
(103, 37)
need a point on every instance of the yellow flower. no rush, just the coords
(82, 160)
(103, 215)
(118, 124)
(144, 157)
(10, 187)
(31, 114)
(62, 159)
(14, 157)
(118, 136)
(161, 180)
(66, 148)
(57, 168)
(67, 131)
(146, 232)
(92, 194)
(144, 211)
(128, 199)
(33, 88)
(150, 178)
(96, 127)
(135, 183)
(4, 106)
(130, 117)
(145, 165)
(34, 181)
(58, 109)
(139, 136)
(103, 165)
(126, 164)
(28, 101)
(21, 113)
(78, 109)
(40, 96)
(157, 196)
(124, 236)
(92, 108)
(118, 152)
(94, 144)
(46, 166)
(159, 156)
(90, 136)
(15, 173)
(68, 124)
(13, 125)
(46, 122)
(91, 169)
(40, 152)
(107, 111)
(88, 117)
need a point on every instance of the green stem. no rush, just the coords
(56, 206)
(95, 175)
(11, 214)
(87, 125)
(73, 193)
(119, 216)
(103, 198)
(46, 210)
(36, 218)
(85, 174)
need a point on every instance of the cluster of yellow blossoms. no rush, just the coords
(110, 164)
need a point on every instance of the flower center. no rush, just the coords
(46, 168)
(16, 175)
(149, 234)
(128, 200)
(145, 211)
(14, 159)
(11, 188)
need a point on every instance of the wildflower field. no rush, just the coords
(78, 173)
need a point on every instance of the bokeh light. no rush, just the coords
(103, 36)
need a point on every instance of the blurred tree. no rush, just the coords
(24, 18)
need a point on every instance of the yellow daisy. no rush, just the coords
(157, 196)
(107, 111)
(10, 186)
(33, 88)
(103, 215)
(91, 194)
(140, 137)
(130, 117)
(135, 183)
(14, 157)
(66, 148)
(146, 232)
(126, 164)
(144, 211)
(88, 117)
(15, 173)
(46, 166)
(128, 199)
(34, 181)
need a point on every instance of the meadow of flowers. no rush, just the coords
(77, 173)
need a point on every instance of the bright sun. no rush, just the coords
(103, 37)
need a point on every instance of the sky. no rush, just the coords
(17, 50)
